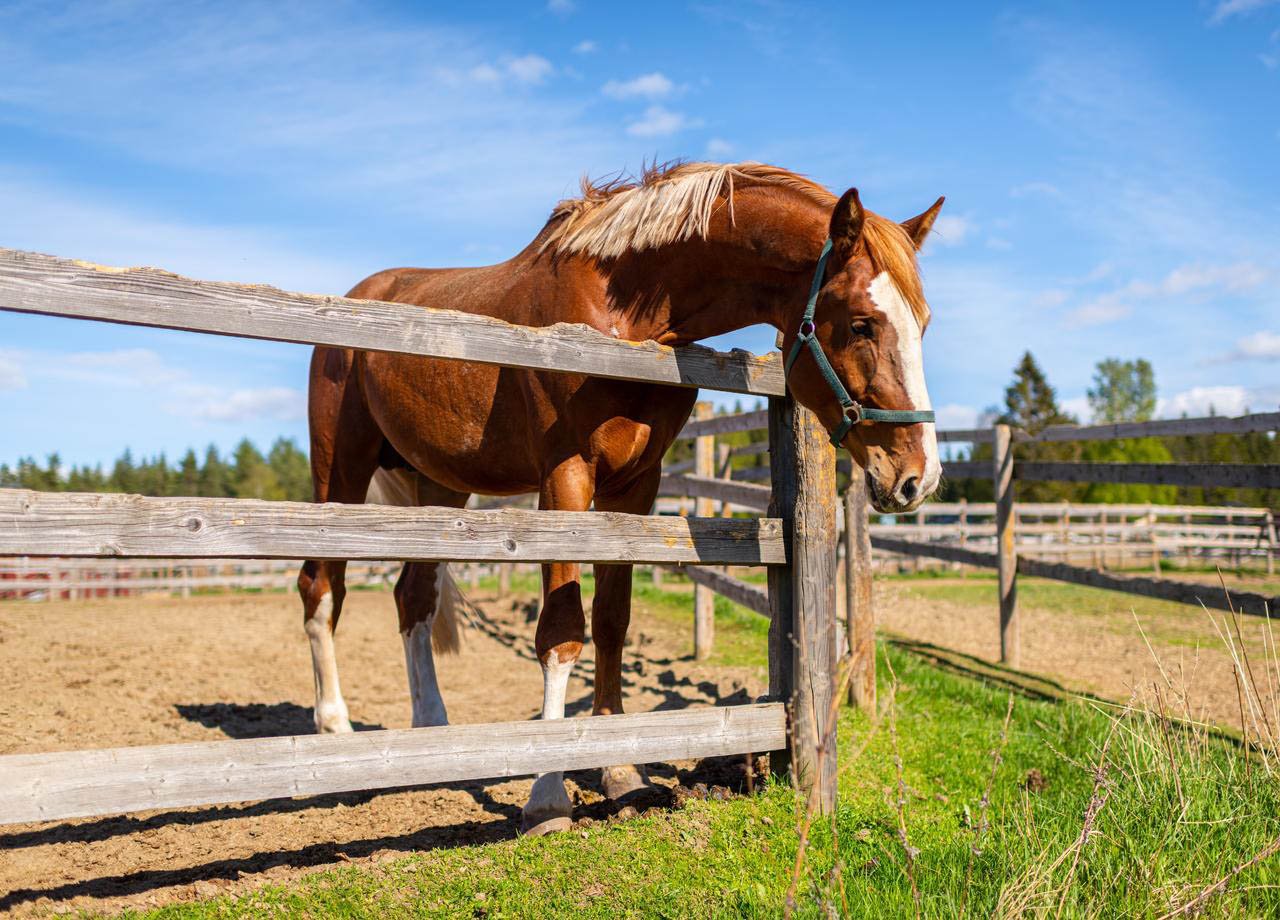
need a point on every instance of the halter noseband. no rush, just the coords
(853, 412)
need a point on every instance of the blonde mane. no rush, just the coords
(671, 203)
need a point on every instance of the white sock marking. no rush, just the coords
(331, 709)
(424, 691)
(548, 797)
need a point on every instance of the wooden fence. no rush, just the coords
(796, 541)
(1019, 546)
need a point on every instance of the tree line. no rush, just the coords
(282, 473)
(1122, 391)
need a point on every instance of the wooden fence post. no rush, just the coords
(704, 599)
(802, 599)
(1006, 549)
(1269, 523)
(860, 621)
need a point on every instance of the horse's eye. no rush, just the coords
(861, 329)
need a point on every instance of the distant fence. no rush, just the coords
(1041, 539)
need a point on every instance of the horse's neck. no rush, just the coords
(754, 271)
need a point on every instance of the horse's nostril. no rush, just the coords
(910, 488)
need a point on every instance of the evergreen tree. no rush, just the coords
(214, 480)
(187, 481)
(1030, 402)
(124, 475)
(251, 477)
(1031, 405)
(292, 470)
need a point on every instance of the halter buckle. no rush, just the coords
(807, 328)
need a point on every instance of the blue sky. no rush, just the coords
(1112, 173)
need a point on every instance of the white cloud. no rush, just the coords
(660, 122)
(485, 73)
(1261, 346)
(586, 46)
(999, 244)
(1199, 401)
(562, 7)
(1183, 280)
(284, 404)
(718, 148)
(648, 86)
(531, 68)
(950, 230)
(11, 375)
(1228, 8)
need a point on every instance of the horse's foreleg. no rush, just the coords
(610, 617)
(323, 588)
(558, 642)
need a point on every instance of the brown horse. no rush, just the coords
(689, 251)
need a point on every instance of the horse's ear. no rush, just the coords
(918, 227)
(846, 223)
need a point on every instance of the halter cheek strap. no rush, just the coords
(807, 337)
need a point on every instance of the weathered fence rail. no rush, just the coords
(57, 786)
(33, 283)
(61, 524)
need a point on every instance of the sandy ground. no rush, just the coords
(122, 672)
(1099, 647)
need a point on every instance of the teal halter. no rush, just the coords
(853, 412)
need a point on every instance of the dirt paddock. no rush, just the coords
(122, 672)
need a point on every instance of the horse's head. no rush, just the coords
(868, 319)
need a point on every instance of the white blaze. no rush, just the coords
(886, 296)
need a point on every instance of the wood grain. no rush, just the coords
(71, 524)
(860, 620)
(33, 283)
(75, 784)
(1002, 474)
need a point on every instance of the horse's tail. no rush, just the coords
(400, 487)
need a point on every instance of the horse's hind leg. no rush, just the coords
(323, 588)
(425, 594)
(344, 454)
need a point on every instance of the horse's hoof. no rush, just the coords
(622, 784)
(334, 726)
(549, 826)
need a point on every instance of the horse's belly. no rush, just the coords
(462, 425)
